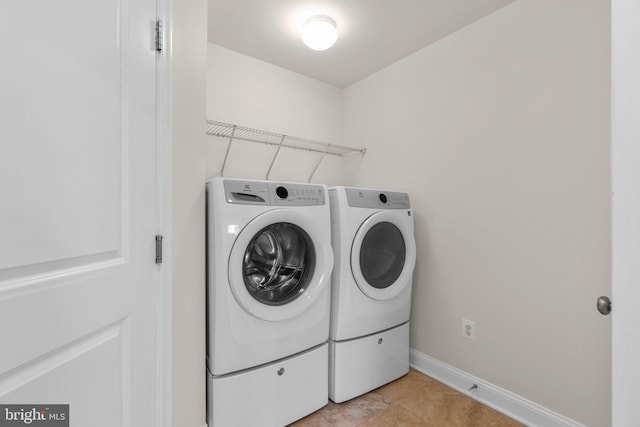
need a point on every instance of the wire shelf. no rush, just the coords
(226, 130)
(235, 132)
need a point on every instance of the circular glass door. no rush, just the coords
(383, 254)
(278, 263)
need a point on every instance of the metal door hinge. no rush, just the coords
(158, 249)
(159, 39)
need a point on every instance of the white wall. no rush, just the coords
(500, 132)
(245, 91)
(188, 74)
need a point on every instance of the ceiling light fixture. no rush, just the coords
(319, 32)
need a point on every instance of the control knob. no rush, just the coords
(282, 192)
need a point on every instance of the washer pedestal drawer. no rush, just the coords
(360, 365)
(271, 395)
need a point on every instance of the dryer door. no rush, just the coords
(279, 265)
(383, 254)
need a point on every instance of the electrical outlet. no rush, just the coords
(469, 329)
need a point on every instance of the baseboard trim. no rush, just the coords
(510, 404)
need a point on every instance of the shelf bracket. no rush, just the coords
(226, 154)
(275, 156)
(315, 168)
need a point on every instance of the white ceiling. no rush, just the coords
(372, 33)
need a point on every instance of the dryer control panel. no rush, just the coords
(363, 198)
(249, 192)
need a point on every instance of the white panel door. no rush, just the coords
(78, 281)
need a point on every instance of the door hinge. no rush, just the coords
(159, 40)
(158, 249)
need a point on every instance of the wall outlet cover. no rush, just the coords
(469, 329)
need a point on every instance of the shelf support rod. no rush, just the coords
(275, 156)
(315, 168)
(226, 154)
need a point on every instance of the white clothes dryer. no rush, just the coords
(375, 253)
(269, 271)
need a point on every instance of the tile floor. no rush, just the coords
(414, 400)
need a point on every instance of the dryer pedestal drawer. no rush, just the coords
(360, 365)
(271, 395)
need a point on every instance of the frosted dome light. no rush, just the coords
(319, 32)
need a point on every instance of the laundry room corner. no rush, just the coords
(500, 134)
(245, 91)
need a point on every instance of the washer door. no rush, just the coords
(279, 265)
(383, 255)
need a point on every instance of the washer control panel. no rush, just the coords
(286, 194)
(377, 199)
(247, 192)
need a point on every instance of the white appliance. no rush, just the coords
(374, 252)
(269, 279)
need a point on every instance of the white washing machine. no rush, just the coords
(374, 252)
(269, 280)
